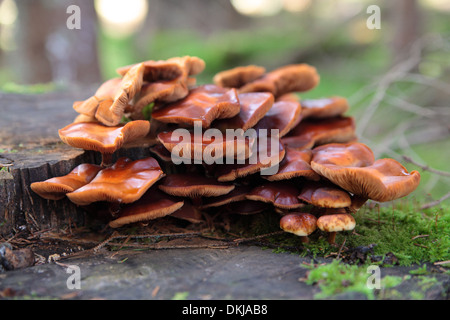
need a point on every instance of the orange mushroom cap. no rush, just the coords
(205, 104)
(239, 76)
(283, 116)
(254, 105)
(324, 108)
(152, 205)
(382, 180)
(309, 133)
(295, 164)
(238, 194)
(336, 222)
(104, 139)
(56, 188)
(124, 182)
(290, 78)
(324, 195)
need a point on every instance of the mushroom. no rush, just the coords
(205, 104)
(104, 139)
(193, 186)
(300, 224)
(283, 195)
(382, 180)
(335, 223)
(124, 182)
(152, 205)
(253, 107)
(309, 133)
(324, 195)
(238, 194)
(239, 76)
(189, 213)
(283, 116)
(295, 164)
(56, 188)
(290, 78)
(246, 207)
(324, 108)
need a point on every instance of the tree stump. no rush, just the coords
(31, 151)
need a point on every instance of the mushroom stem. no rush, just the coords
(114, 208)
(197, 201)
(304, 239)
(357, 203)
(332, 238)
(107, 160)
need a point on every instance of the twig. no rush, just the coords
(420, 236)
(426, 168)
(420, 245)
(435, 203)
(340, 249)
(441, 262)
(258, 237)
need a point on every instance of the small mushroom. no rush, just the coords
(239, 76)
(246, 207)
(204, 104)
(238, 194)
(152, 205)
(57, 188)
(189, 213)
(283, 195)
(333, 223)
(311, 132)
(283, 116)
(254, 106)
(104, 139)
(124, 182)
(295, 164)
(290, 78)
(300, 224)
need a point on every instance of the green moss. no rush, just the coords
(422, 270)
(180, 296)
(337, 278)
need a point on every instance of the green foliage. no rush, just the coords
(337, 278)
(11, 87)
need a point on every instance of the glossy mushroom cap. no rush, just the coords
(204, 104)
(124, 182)
(300, 224)
(290, 78)
(152, 205)
(309, 133)
(104, 139)
(193, 186)
(254, 106)
(57, 188)
(283, 116)
(239, 76)
(324, 108)
(238, 194)
(383, 180)
(295, 164)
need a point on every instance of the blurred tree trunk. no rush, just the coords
(46, 50)
(407, 23)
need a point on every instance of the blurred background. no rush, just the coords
(396, 78)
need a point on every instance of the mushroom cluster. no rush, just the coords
(321, 175)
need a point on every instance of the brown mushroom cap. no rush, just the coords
(324, 108)
(382, 180)
(290, 78)
(97, 137)
(295, 164)
(239, 76)
(254, 105)
(193, 186)
(130, 85)
(238, 194)
(200, 145)
(324, 195)
(336, 222)
(152, 205)
(56, 188)
(309, 133)
(283, 195)
(124, 182)
(300, 224)
(283, 116)
(189, 213)
(246, 207)
(162, 153)
(265, 158)
(205, 104)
